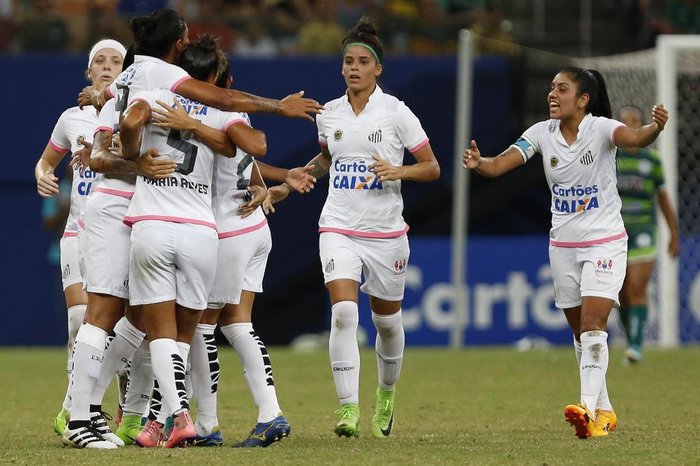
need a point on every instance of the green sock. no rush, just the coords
(625, 320)
(638, 320)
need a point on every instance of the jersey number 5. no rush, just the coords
(190, 150)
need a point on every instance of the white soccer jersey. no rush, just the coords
(72, 125)
(582, 180)
(145, 74)
(184, 197)
(357, 203)
(116, 185)
(231, 180)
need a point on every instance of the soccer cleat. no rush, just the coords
(98, 420)
(85, 437)
(383, 418)
(267, 433)
(349, 424)
(129, 428)
(150, 435)
(580, 417)
(214, 439)
(61, 422)
(183, 431)
(633, 355)
(605, 422)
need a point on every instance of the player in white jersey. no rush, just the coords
(363, 135)
(160, 38)
(588, 242)
(74, 129)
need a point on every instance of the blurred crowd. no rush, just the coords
(257, 27)
(267, 28)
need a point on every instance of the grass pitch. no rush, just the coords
(476, 406)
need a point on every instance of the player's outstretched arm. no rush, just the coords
(250, 140)
(642, 137)
(294, 105)
(296, 178)
(491, 166)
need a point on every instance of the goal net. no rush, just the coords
(669, 74)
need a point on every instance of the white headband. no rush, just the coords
(106, 44)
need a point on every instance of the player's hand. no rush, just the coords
(300, 180)
(295, 105)
(152, 165)
(47, 185)
(275, 194)
(259, 195)
(659, 115)
(472, 157)
(175, 118)
(90, 96)
(674, 246)
(80, 160)
(384, 170)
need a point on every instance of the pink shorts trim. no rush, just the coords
(364, 234)
(585, 244)
(129, 221)
(115, 192)
(243, 231)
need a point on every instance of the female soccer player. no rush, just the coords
(640, 182)
(363, 135)
(74, 128)
(588, 242)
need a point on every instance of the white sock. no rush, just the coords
(389, 346)
(164, 356)
(76, 316)
(138, 391)
(205, 377)
(594, 365)
(344, 351)
(117, 356)
(87, 358)
(257, 368)
(603, 398)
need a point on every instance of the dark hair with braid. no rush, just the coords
(365, 32)
(591, 82)
(156, 33)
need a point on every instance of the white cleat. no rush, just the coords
(85, 437)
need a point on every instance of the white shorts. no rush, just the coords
(382, 261)
(106, 255)
(240, 266)
(70, 261)
(172, 261)
(591, 271)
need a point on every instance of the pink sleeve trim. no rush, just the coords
(138, 99)
(585, 244)
(81, 223)
(70, 234)
(57, 148)
(233, 122)
(129, 221)
(115, 192)
(419, 146)
(323, 143)
(243, 231)
(179, 81)
(109, 93)
(614, 131)
(108, 129)
(364, 234)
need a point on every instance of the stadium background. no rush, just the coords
(510, 290)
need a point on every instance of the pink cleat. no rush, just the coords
(183, 431)
(150, 434)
